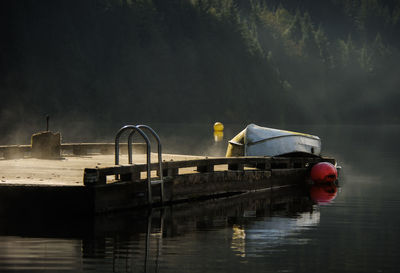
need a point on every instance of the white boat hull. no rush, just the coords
(284, 145)
(262, 141)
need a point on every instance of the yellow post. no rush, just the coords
(218, 127)
(218, 131)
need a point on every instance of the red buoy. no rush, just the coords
(323, 193)
(324, 172)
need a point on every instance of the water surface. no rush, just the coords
(280, 231)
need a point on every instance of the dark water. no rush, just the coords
(280, 231)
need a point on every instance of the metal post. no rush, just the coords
(148, 237)
(159, 242)
(148, 152)
(160, 171)
(47, 122)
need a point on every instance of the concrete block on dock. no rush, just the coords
(46, 145)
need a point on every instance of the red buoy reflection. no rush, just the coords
(323, 193)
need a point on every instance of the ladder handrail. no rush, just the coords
(148, 151)
(159, 150)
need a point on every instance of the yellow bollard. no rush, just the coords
(218, 127)
(218, 131)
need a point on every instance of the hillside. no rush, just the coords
(200, 60)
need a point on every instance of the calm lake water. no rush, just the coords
(280, 231)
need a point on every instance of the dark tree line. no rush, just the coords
(200, 60)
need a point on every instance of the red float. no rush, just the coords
(324, 172)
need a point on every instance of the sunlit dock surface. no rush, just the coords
(68, 170)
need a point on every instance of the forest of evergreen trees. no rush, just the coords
(271, 61)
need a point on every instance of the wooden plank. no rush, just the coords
(16, 151)
(25, 148)
(206, 161)
(263, 166)
(280, 163)
(13, 153)
(98, 176)
(79, 150)
(171, 168)
(205, 168)
(170, 171)
(236, 167)
(192, 186)
(103, 148)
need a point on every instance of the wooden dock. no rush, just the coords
(86, 182)
(22, 151)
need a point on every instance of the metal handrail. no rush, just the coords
(148, 151)
(160, 170)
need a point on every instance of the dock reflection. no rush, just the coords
(251, 221)
(146, 239)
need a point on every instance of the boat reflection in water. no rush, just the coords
(264, 235)
(186, 235)
(281, 227)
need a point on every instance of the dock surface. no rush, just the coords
(67, 171)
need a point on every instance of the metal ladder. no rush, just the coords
(159, 238)
(137, 128)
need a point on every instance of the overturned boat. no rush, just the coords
(262, 141)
